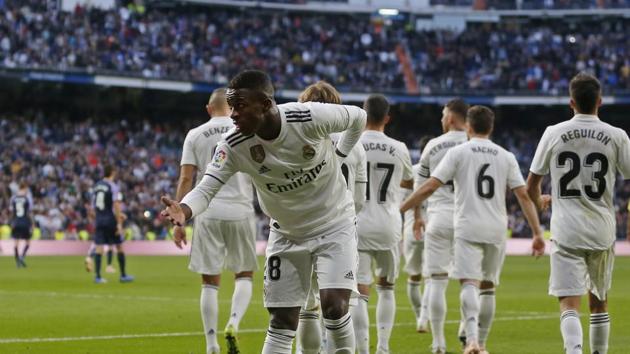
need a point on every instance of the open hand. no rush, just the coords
(418, 229)
(173, 212)
(179, 236)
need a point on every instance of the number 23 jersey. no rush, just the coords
(481, 171)
(583, 155)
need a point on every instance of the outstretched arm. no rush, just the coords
(420, 195)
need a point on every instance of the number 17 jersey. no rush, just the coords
(388, 163)
(583, 155)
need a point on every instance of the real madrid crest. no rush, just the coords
(308, 152)
(258, 153)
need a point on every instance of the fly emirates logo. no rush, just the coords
(298, 179)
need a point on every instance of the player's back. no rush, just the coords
(583, 156)
(21, 207)
(104, 194)
(388, 163)
(482, 173)
(234, 200)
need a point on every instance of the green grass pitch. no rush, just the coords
(53, 307)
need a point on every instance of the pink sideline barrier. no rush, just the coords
(167, 248)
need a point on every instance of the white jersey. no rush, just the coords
(583, 155)
(235, 200)
(354, 166)
(388, 163)
(440, 203)
(296, 175)
(409, 214)
(482, 171)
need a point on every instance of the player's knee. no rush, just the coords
(486, 285)
(284, 318)
(247, 274)
(596, 305)
(210, 279)
(415, 278)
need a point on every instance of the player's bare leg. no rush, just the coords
(385, 314)
(337, 320)
(469, 299)
(240, 301)
(437, 312)
(209, 307)
(361, 320)
(599, 329)
(570, 325)
(283, 323)
(487, 308)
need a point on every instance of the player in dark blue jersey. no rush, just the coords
(22, 223)
(109, 222)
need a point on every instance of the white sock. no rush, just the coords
(341, 333)
(361, 321)
(209, 314)
(469, 298)
(415, 296)
(424, 311)
(385, 313)
(571, 329)
(309, 335)
(599, 332)
(487, 307)
(278, 341)
(240, 300)
(437, 311)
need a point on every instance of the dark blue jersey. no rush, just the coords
(21, 208)
(105, 193)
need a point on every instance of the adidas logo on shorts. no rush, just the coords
(349, 275)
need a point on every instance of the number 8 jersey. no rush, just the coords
(481, 171)
(388, 163)
(583, 156)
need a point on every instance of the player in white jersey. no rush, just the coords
(438, 236)
(380, 223)
(583, 156)
(481, 171)
(224, 235)
(287, 151)
(309, 332)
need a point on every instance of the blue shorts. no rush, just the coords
(106, 235)
(21, 232)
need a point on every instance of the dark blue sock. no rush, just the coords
(121, 264)
(110, 255)
(97, 264)
(25, 250)
(17, 254)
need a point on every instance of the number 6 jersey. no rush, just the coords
(481, 171)
(583, 156)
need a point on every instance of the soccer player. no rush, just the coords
(109, 223)
(287, 151)
(438, 236)
(22, 223)
(380, 223)
(481, 172)
(309, 333)
(583, 156)
(224, 235)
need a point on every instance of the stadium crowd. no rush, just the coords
(354, 52)
(60, 160)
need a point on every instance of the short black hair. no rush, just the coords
(481, 119)
(459, 107)
(108, 170)
(253, 80)
(377, 107)
(585, 90)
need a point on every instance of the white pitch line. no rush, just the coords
(247, 330)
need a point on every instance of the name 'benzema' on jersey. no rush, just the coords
(297, 176)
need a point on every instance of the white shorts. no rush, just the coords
(439, 245)
(385, 265)
(219, 244)
(289, 266)
(414, 255)
(478, 261)
(577, 272)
